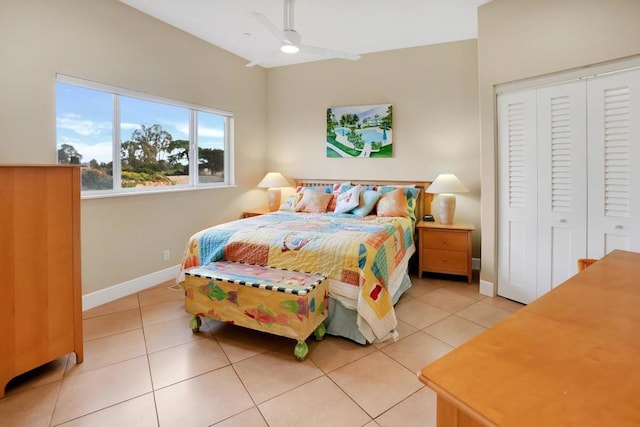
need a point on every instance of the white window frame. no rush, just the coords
(117, 190)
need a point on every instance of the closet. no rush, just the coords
(40, 287)
(568, 178)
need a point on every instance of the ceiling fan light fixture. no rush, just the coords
(289, 48)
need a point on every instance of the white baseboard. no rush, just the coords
(475, 263)
(129, 287)
(487, 288)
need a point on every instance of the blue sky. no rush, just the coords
(84, 120)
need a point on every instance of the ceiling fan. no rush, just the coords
(291, 41)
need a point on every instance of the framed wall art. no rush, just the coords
(360, 131)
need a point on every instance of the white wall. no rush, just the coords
(109, 42)
(434, 93)
(520, 39)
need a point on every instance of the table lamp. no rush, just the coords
(273, 181)
(444, 186)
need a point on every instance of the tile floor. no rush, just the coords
(143, 366)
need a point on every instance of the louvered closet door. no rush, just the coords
(517, 182)
(614, 163)
(562, 174)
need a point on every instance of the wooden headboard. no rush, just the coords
(423, 205)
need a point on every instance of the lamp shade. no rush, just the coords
(273, 180)
(447, 183)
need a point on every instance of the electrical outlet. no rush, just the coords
(166, 255)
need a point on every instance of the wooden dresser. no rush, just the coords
(40, 284)
(570, 358)
(445, 248)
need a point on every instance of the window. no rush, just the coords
(152, 140)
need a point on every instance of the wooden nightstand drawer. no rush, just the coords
(437, 239)
(444, 248)
(453, 262)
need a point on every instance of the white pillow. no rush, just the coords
(348, 200)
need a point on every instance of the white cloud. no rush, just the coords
(210, 132)
(101, 151)
(74, 123)
(129, 126)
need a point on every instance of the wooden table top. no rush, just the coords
(570, 358)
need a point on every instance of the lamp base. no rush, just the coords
(446, 208)
(273, 196)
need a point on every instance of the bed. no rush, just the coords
(365, 258)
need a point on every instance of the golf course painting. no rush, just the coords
(360, 131)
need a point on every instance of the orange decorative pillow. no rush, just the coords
(313, 202)
(393, 203)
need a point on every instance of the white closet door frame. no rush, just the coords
(614, 162)
(517, 189)
(562, 177)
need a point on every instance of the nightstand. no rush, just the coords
(445, 248)
(255, 212)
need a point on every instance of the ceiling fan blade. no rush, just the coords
(277, 33)
(329, 53)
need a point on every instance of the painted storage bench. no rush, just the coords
(282, 302)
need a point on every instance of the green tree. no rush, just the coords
(67, 154)
(211, 158)
(388, 119)
(331, 123)
(153, 141)
(180, 152)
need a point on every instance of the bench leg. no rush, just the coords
(195, 323)
(301, 350)
(320, 331)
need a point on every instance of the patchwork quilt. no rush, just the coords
(358, 255)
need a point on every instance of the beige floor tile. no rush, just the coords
(164, 292)
(241, 343)
(418, 410)
(185, 361)
(121, 304)
(270, 374)
(329, 406)
(167, 334)
(416, 351)
(454, 330)
(372, 423)
(109, 324)
(404, 330)
(97, 389)
(485, 314)
(447, 300)
(29, 408)
(503, 303)
(418, 313)
(203, 400)
(139, 412)
(163, 312)
(108, 350)
(422, 286)
(376, 382)
(333, 352)
(44, 374)
(249, 418)
(471, 290)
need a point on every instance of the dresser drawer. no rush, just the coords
(440, 239)
(443, 261)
